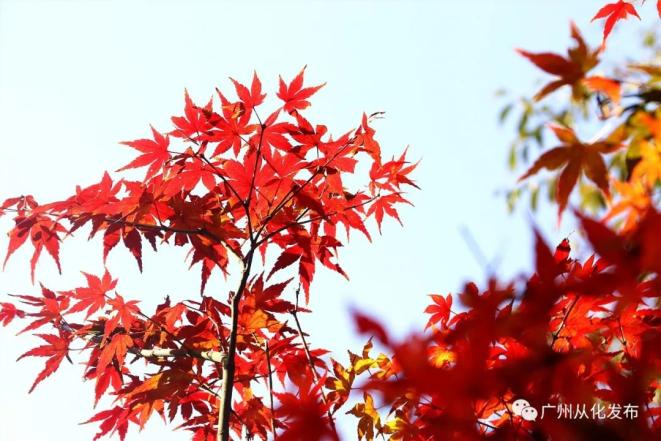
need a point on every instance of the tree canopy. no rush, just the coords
(569, 352)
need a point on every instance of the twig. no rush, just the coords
(308, 355)
(270, 386)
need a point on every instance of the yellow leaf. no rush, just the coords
(441, 357)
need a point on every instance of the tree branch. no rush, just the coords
(294, 191)
(229, 365)
(215, 356)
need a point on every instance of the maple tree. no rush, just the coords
(265, 197)
(236, 190)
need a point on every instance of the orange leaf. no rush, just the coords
(609, 87)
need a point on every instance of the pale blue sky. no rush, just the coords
(76, 77)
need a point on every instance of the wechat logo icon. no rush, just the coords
(523, 409)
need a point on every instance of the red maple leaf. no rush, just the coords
(253, 97)
(93, 296)
(43, 233)
(50, 308)
(115, 349)
(125, 313)
(294, 95)
(56, 350)
(570, 70)
(9, 312)
(305, 415)
(613, 12)
(439, 311)
(575, 157)
(154, 153)
(113, 420)
(194, 122)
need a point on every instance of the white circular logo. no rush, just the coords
(519, 405)
(529, 414)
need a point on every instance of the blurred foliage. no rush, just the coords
(595, 117)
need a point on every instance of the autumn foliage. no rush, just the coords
(268, 197)
(235, 189)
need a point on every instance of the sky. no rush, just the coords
(78, 77)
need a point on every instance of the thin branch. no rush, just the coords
(475, 250)
(270, 386)
(252, 180)
(556, 334)
(221, 176)
(308, 355)
(295, 190)
(311, 219)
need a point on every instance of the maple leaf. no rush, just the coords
(360, 364)
(194, 122)
(439, 311)
(392, 174)
(125, 313)
(253, 97)
(294, 95)
(367, 325)
(9, 312)
(562, 251)
(231, 128)
(614, 12)
(56, 350)
(385, 205)
(114, 420)
(286, 258)
(133, 243)
(365, 141)
(570, 70)
(154, 153)
(648, 170)
(369, 418)
(305, 416)
(606, 242)
(441, 356)
(634, 201)
(575, 157)
(93, 297)
(50, 308)
(340, 385)
(185, 177)
(104, 379)
(116, 349)
(269, 298)
(43, 233)
(631, 327)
